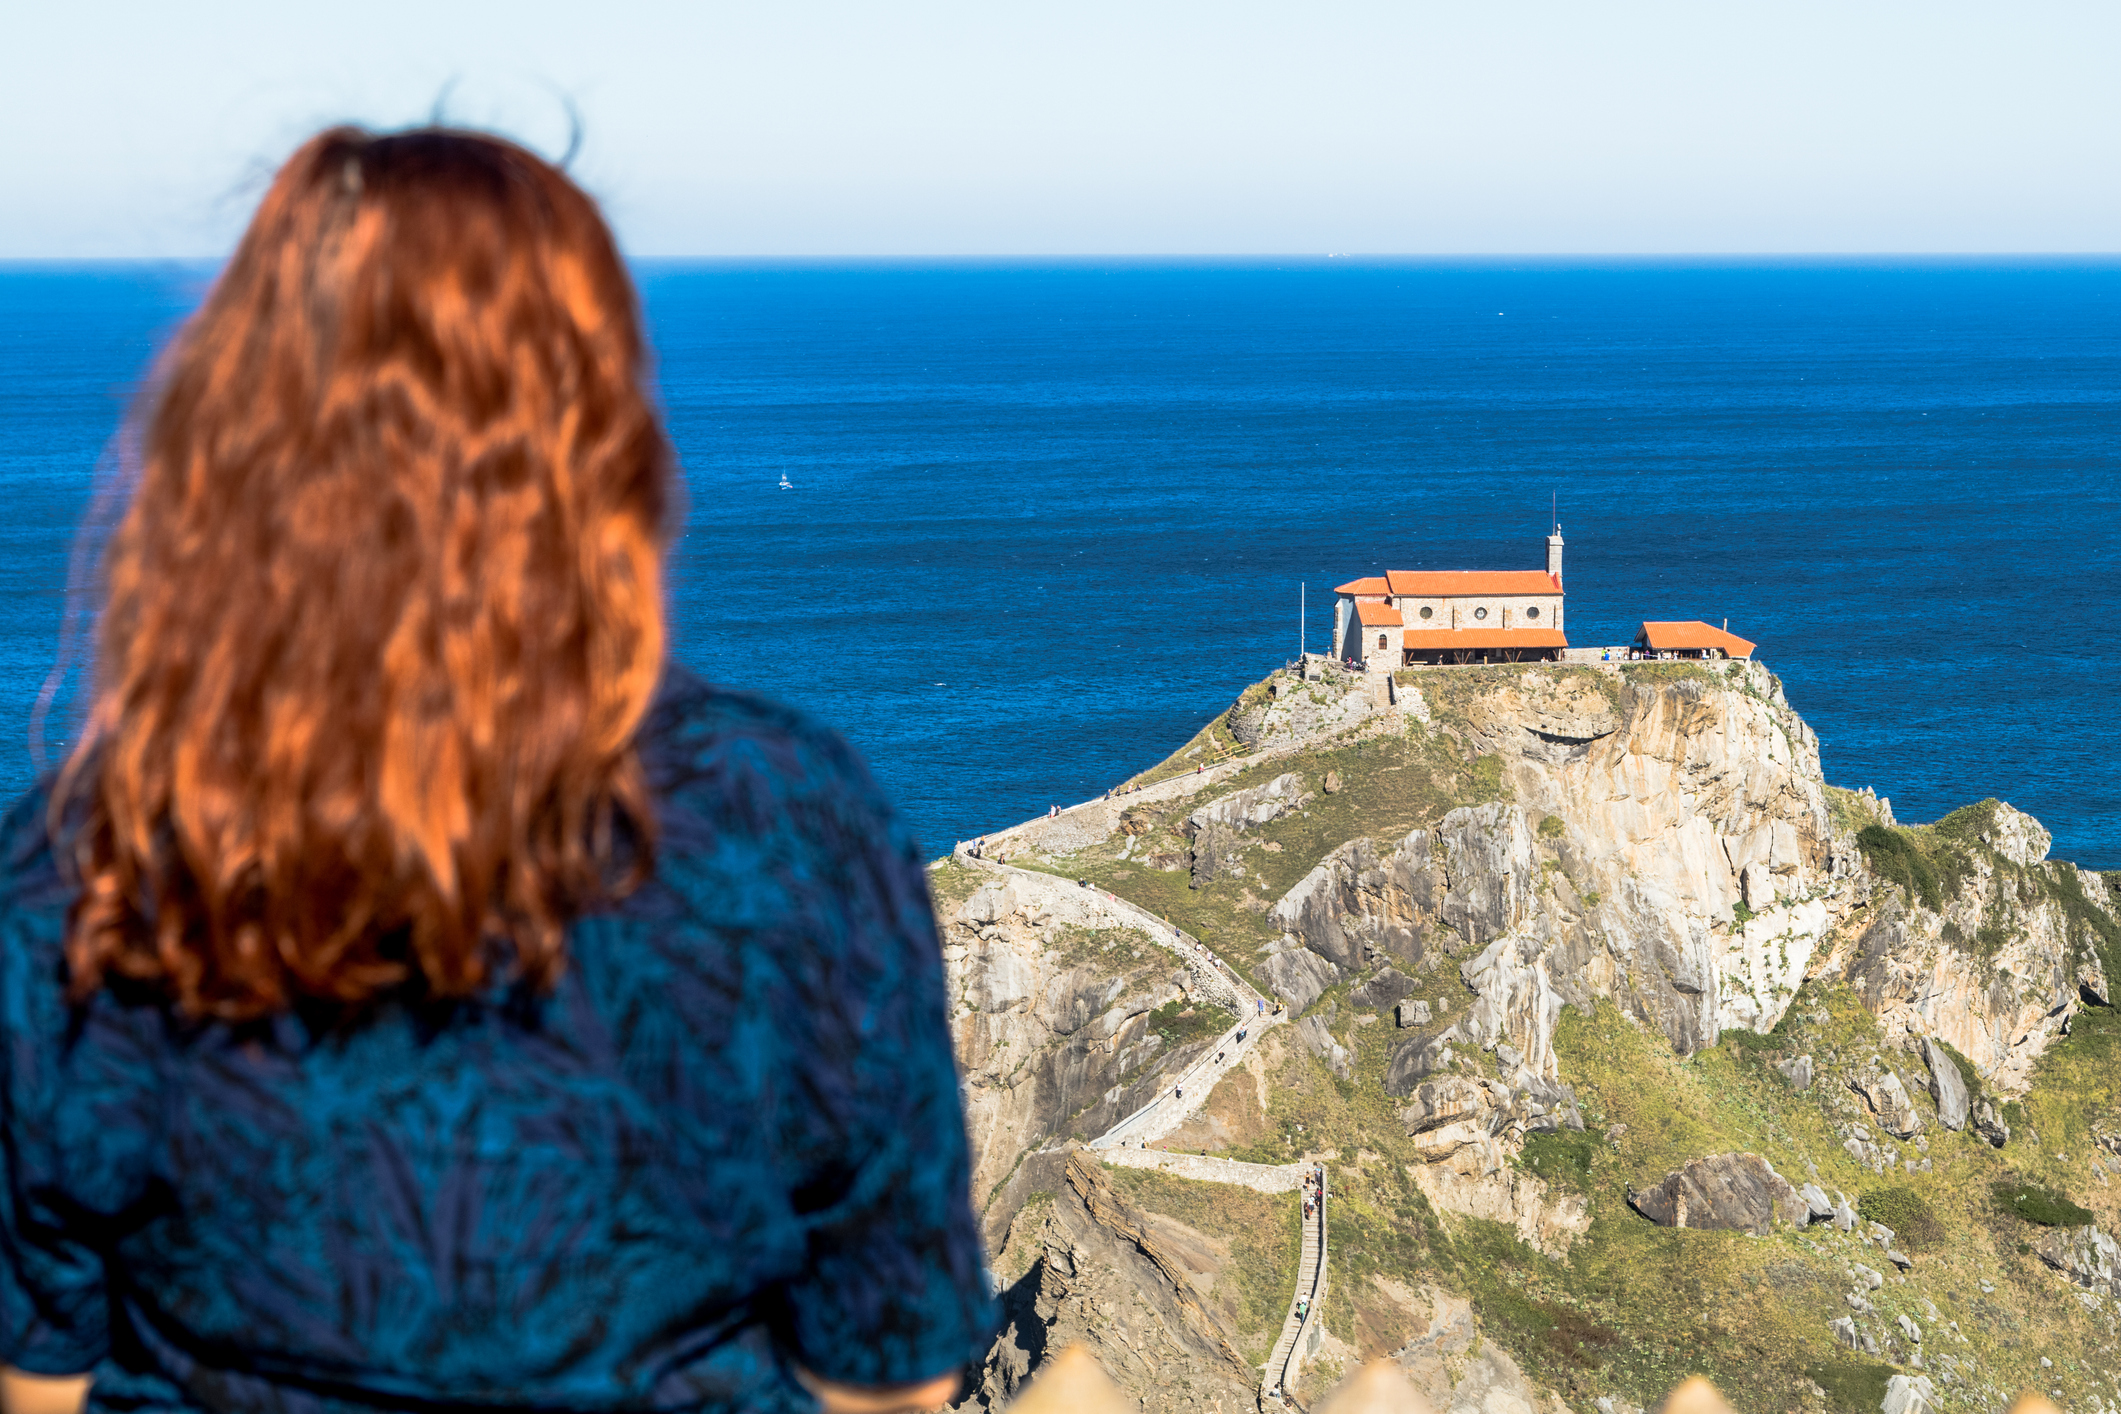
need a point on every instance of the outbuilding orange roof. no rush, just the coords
(1373, 585)
(1478, 638)
(1377, 615)
(1692, 634)
(1443, 584)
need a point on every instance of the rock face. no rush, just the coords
(1881, 1089)
(1051, 1029)
(1216, 829)
(1947, 1085)
(2086, 1256)
(1909, 1394)
(1989, 1125)
(1136, 1291)
(1730, 1192)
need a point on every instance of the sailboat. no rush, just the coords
(786, 484)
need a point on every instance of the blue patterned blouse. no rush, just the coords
(729, 1141)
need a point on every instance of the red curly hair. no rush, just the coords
(385, 611)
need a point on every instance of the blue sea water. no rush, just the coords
(1047, 517)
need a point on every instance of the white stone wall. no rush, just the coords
(1369, 634)
(1549, 606)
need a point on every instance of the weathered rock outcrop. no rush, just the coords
(2086, 1256)
(1881, 1089)
(1731, 1192)
(1670, 847)
(1947, 1085)
(1137, 1291)
(1051, 1021)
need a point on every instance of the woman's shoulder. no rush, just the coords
(723, 758)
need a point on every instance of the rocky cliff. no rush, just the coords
(1550, 936)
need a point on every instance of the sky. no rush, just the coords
(1149, 127)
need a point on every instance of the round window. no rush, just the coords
(1532, 613)
(1480, 613)
(1428, 613)
(1380, 640)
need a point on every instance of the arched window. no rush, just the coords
(1480, 613)
(1427, 612)
(1380, 642)
(1532, 613)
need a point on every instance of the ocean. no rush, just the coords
(1047, 517)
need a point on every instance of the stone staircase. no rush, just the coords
(1286, 1360)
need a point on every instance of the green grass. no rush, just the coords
(1564, 1156)
(1263, 1235)
(1906, 1212)
(1898, 854)
(1853, 1383)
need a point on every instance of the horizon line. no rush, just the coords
(1227, 257)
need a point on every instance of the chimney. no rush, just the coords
(1554, 554)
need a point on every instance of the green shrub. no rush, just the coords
(2037, 1203)
(1904, 1211)
(1180, 1022)
(1550, 828)
(1893, 856)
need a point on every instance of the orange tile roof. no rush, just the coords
(1679, 634)
(1440, 584)
(1478, 638)
(1374, 585)
(1377, 615)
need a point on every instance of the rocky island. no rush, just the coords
(1622, 1045)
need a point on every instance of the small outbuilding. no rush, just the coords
(1690, 638)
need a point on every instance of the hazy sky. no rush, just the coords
(781, 127)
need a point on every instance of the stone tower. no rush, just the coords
(1554, 554)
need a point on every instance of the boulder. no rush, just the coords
(1818, 1207)
(1218, 853)
(1383, 990)
(2085, 1255)
(1332, 783)
(1909, 1394)
(1881, 1089)
(1245, 809)
(1412, 1014)
(1844, 1329)
(1947, 1085)
(1313, 1033)
(1909, 1329)
(1845, 1215)
(1728, 1192)
(1871, 1277)
(1297, 975)
(1796, 1072)
(1989, 1125)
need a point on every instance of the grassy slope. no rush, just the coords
(1636, 1307)
(1260, 1232)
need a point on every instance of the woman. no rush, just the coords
(417, 994)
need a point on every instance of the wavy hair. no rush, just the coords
(385, 611)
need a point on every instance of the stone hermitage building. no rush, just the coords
(1405, 617)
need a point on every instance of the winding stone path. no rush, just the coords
(1125, 1143)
